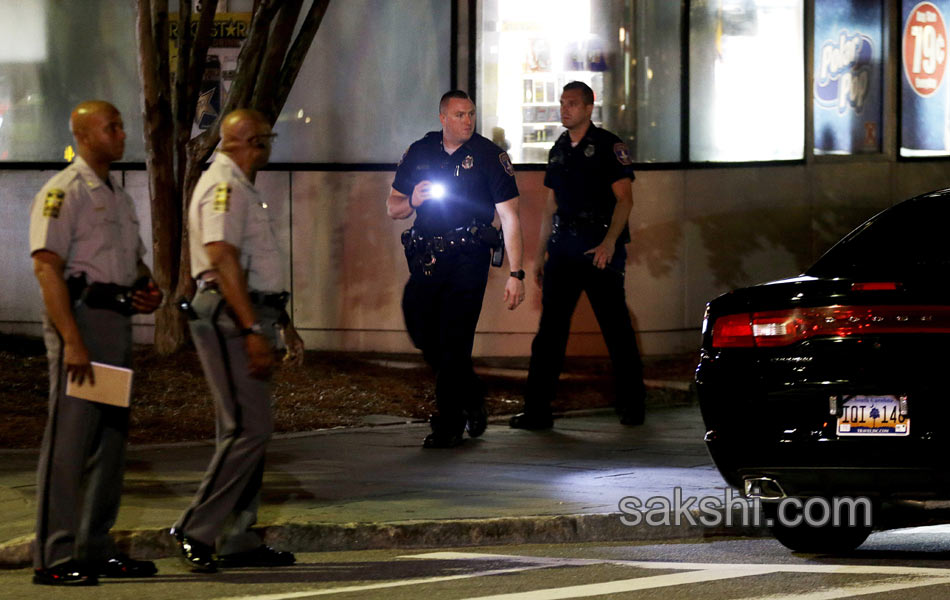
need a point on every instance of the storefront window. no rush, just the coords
(746, 72)
(627, 51)
(54, 55)
(364, 93)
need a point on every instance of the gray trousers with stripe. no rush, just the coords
(82, 458)
(225, 506)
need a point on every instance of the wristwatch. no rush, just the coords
(519, 274)
(256, 329)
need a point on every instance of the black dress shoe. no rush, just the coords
(122, 566)
(442, 440)
(476, 421)
(262, 556)
(70, 574)
(531, 421)
(632, 415)
(197, 556)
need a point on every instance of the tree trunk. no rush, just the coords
(266, 71)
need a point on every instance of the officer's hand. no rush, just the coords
(602, 254)
(538, 272)
(147, 300)
(421, 193)
(294, 344)
(260, 356)
(78, 367)
(514, 293)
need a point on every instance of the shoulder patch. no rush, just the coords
(53, 203)
(622, 154)
(506, 163)
(222, 198)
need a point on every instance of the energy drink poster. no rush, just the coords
(925, 100)
(227, 34)
(848, 91)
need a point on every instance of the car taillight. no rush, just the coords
(784, 327)
(874, 286)
(733, 331)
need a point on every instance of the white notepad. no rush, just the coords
(113, 385)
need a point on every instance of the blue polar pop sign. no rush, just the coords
(848, 91)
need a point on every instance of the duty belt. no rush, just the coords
(578, 225)
(589, 228)
(276, 300)
(424, 250)
(104, 296)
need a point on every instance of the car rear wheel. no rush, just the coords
(827, 537)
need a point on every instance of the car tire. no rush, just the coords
(818, 539)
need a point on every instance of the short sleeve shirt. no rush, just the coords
(476, 176)
(226, 207)
(93, 228)
(582, 176)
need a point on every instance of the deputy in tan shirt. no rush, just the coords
(87, 256)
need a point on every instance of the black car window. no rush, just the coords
(906, 241)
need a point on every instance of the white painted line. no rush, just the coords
(379, 586)
(861, 589)
(690, 573)
(626, 585)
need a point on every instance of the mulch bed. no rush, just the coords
(332, 389)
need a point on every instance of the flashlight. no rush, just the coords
(437, 191)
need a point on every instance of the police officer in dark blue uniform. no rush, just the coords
(583, 232)
(454, 180)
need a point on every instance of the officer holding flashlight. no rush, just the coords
(453, 181)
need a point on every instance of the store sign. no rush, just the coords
(844, 73)
(227, 34)
(925, 115)
(848, 90)
(924, 48)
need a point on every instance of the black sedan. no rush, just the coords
(834, 384)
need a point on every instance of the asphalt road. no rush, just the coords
(911, 563)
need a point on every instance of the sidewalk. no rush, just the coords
(375, 487)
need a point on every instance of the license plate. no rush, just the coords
(873, 416)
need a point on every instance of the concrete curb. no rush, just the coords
(326, 537)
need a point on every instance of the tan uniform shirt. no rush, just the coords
(225, 207)
(93, 229)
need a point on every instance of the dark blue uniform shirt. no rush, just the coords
(476, 176)
(582, 176)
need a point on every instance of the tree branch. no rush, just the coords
(298, 53)
(268, 75)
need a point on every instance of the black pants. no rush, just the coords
(566, 275)
(441, 312)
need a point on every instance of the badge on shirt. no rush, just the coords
(589, 150)
(623, 155)
(53, 202)
(222, 198)
(469, 162)
(506, 163)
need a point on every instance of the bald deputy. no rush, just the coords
(87, 257)
(239, 316)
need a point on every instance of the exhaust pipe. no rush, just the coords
(764, 488)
